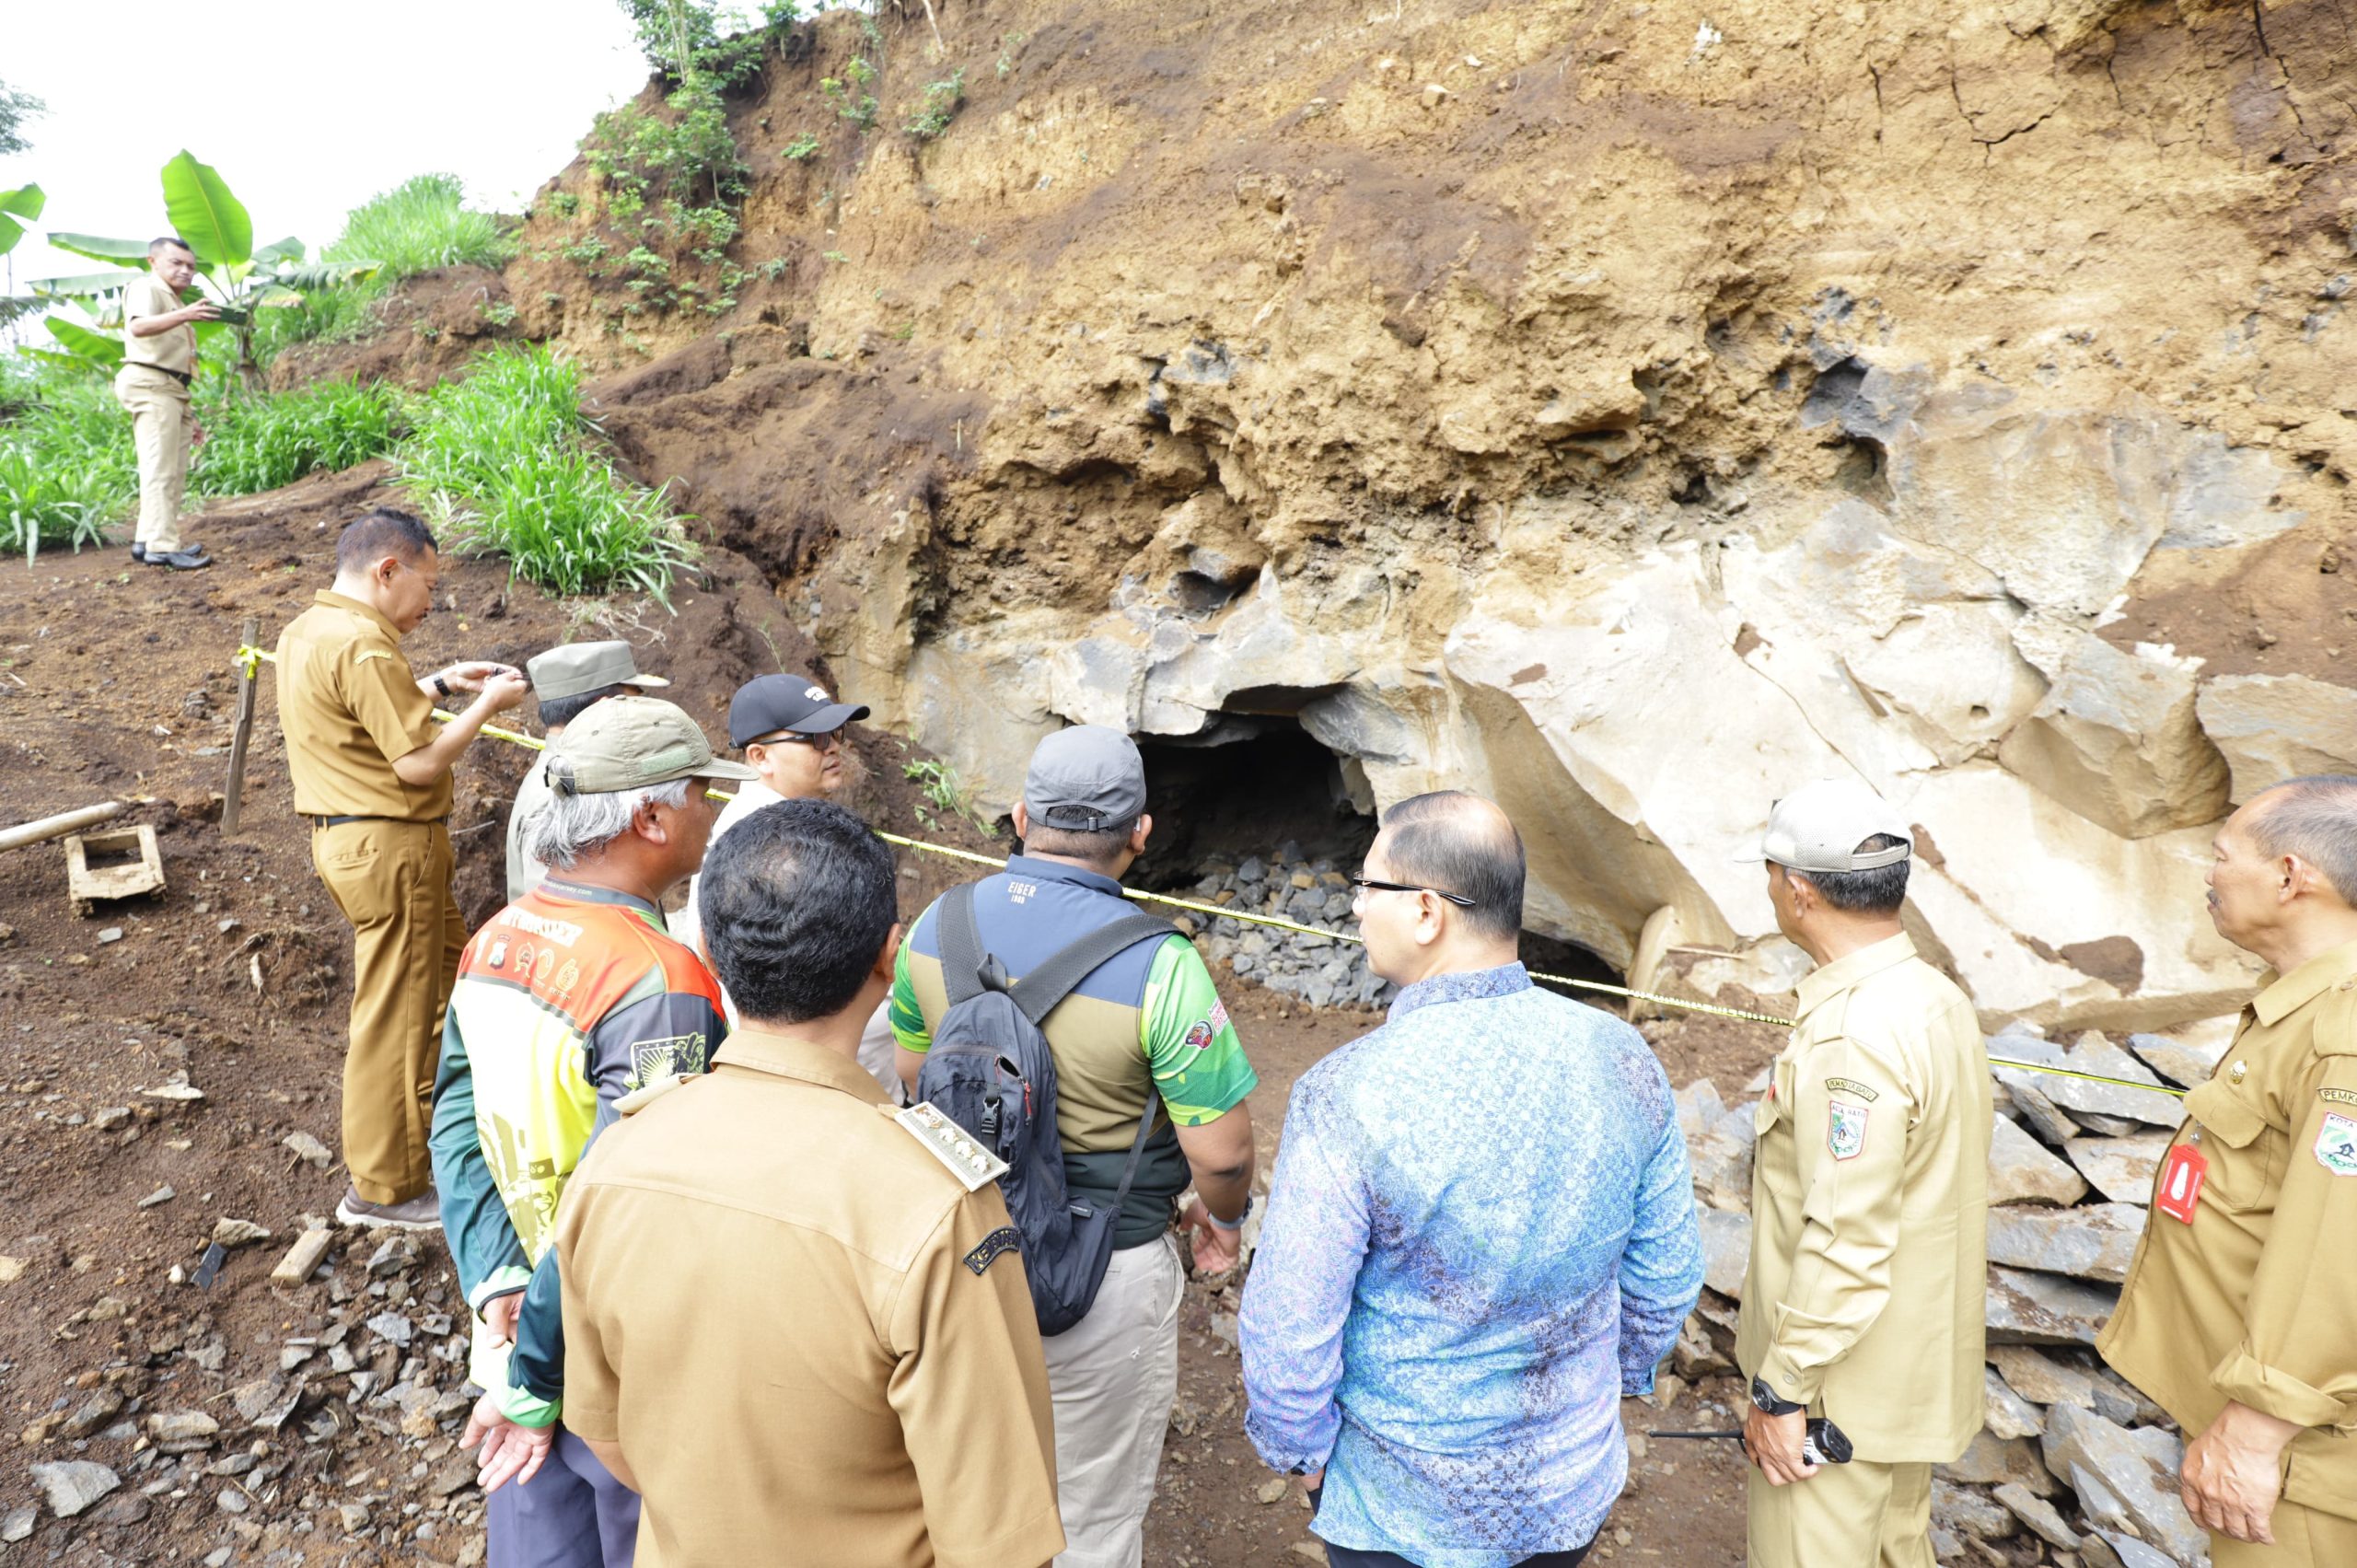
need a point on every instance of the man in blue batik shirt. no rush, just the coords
(1481, 1235)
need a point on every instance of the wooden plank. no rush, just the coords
(243, 733)
(302, 1257)
(64, 822)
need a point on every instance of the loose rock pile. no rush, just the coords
(2070, 1453)
(341, 1433)
(1318, 969)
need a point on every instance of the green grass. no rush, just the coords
(259, 443)
(414, 227)
(67, 469)
(503, 460)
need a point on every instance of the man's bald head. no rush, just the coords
(1459, 843)
(2315, 818)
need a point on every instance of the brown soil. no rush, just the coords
(2287, 607)
(116, 679)
(430, 325)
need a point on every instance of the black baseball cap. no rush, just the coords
(773, 703)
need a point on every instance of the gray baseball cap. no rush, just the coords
(1820, 826)
(632, 742)
(576, 667)
(1087, 779)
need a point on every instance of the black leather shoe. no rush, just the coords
(178, 560)
(139, 552)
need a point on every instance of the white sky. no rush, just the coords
(306, 112)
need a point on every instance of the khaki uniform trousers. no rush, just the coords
(392, 882)
(1112, 1377)
(160, 429)
(2304, 1538)
(1860, 1514)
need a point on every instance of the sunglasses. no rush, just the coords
(1369, 885)
(826, 742)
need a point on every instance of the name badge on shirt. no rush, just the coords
(2182, 1170)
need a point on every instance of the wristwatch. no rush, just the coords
(1235, 1224)
(441, 685)
(1767, 1400)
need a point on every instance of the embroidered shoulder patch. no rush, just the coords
(2339, 1097)
(1845, 1129)
(2337, 1143)
(1851, 1086)
(1200, 1037)
(1004, 1240)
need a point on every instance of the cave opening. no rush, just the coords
(1256, 785)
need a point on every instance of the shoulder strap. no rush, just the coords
(961, 943)
(1038, 993)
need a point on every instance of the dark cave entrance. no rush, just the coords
(1258, 783)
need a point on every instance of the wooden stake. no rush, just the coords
(243, 733)
(302, 1257)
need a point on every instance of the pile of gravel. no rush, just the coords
(1318, 969)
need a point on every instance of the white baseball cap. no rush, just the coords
(1820, 826)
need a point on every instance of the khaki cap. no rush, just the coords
(631, 743)
(576, 668)
(1818, 827)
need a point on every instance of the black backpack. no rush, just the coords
(990, 1071)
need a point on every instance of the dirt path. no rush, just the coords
(317, 1422)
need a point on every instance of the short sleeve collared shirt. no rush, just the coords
(801, 1329)
(348, 704)
(175, 350)
(1869, 1209)
(2252, 1300)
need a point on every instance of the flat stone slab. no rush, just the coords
(2023, 1170)
(2126, 1479)
(2045, 1310)
(1726, 1249)
(2094, 1241)
(2094, 1054)
(2041, 1379)
(2120, 1168)
(72, 1485)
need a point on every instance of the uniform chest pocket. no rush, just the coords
(1777, 1103)
(2241, 1146)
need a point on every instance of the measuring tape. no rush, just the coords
(249, 660)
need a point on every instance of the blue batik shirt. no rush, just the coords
(1481, 1236)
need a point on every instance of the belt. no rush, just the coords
(182, 377)
(340, 821)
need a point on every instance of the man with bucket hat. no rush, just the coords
(566, 679)
(1869, 1204)
(569, 1000)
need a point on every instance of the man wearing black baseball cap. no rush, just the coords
(792, 734)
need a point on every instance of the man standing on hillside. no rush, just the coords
(372, 771)
(1144, 1030)
(1481, 1235)
(2237, 1317)
(158, 367)
(1869, 1205)
(567, 1001)
(566, 679)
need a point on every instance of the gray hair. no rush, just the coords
(1879, 890)
(2316, 818)
(570, 826)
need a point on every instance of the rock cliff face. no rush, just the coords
(1629, 411)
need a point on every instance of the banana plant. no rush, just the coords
(24, 202)
(239, 277)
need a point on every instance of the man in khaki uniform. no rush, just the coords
(2240, 1316)
(568, 681)
(1869, 1205)
(158, 366)
(372, 771)
(871, 1391)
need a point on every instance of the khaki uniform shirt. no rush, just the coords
(175, 350)
(1867, 1292)
(349, 707)
(524, 873)
(2256, 1300)
(811, 1341)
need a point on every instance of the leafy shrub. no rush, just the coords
(503, 459)
(414, 227)
(262, 442)
(850, 96)
(802, 148)
(937, 107)
(67, 468)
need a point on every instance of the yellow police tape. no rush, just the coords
(250, 659)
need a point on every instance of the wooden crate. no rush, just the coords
(86, 884)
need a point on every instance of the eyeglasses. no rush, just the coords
(1369, 885)
(826, 742)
